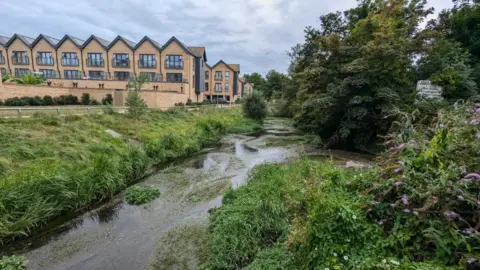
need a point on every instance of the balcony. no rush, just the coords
(70, 62)
(218, 78)
(20, 60)
(122, 76)
(97, 76)
(2, 60)
(95, 63)
(44, 61)
(174, 65)
(51, 75)
(147, 63)
(73, 76)
(121, 63)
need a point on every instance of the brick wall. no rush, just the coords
(154, 99)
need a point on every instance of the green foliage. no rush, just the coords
(255, 107)
(136, 106)
(29, 78)
(51, 164)
(140, 195)
(13, 263)
(66, 100)
(189, 102)
(107, 100)
(85, 99)
(6, 77)
(48, 100)
(418, 209)
(1, 102)
(94, 102)
(447, 65)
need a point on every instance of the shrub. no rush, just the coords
(189, 102)
(255, 107)
(179, 104)
(109, 109)
(95, 102)
(48, 101)
(85, 99)
(1, 102)
(108, 99)
(13, 263)
(140, 195)
(16, 101)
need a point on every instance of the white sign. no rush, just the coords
(428, 90)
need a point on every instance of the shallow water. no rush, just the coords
(121, 236)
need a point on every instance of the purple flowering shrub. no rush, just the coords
(426, 196)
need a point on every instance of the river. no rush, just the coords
(121, 236)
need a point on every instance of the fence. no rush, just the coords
(82, 109)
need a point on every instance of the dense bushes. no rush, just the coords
(419, 209)
(51, 164)
(107, 100)
(141, 195)
(255, 107)
(50, 101)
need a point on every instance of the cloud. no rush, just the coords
(253, 33)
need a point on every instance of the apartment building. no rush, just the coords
(99, 63)
(222, 82)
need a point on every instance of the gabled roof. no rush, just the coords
(198, 52)
(26, 40)
(78, 42)
(153, 42)
(222, 62)
(172, 39)
(129, 43)
(235, 67)
(104, 43)
(208, 65)
(52, 41)
(4, 40)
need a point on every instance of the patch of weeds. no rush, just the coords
(140, 195)
(283, 141)
(209, 191)
(194, 198)
(13, 263)
(181, 248)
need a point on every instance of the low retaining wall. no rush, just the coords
(154, 99)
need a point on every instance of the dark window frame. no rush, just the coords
(174, 77)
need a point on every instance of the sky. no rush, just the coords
(253, 33)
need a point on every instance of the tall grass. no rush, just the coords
(50, 165)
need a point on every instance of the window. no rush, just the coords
(147, 61)
(20, 58)
(174, 77)
(227, 75)
(152, 76)
(19, 72)
(173, 61)
(44, 58)
(218, 87)
(69, 59)
(2, 59)
(218, 75)
(121, 60)
(48, 73)
(202, 62)
(3, 71)
(95, 59)
(71, 74)
(226, 87)
(96, 75)
(206, 86)
(121, 76)
(193, 84)
(207, 74)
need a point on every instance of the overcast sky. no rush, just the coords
(253, 33)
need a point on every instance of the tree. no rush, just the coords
(447, 65)
(255, 107)
(353, 72)
(136, 106)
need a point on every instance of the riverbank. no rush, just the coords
(51, 165)
(417, 208)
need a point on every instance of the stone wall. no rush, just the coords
(154, 99)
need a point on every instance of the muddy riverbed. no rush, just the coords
(165, 233)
